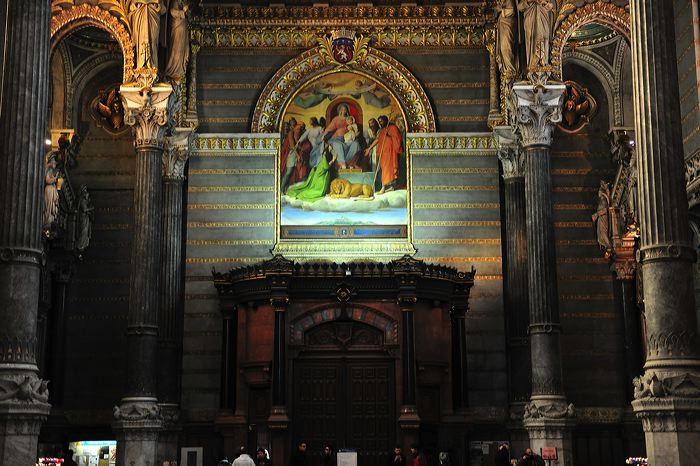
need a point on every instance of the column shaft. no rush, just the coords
(667, 396)
(171, 302)
(516, 290)
(542, 275)
(22, 134)
(460, 394)
(279, 362)
(227, 399)
(142, 328)
(408, 359)
(633, 332)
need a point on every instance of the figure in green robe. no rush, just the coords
(316, 184)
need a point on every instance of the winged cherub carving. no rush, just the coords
(112, 109)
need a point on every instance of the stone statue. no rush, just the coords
(51, 186)
(602, 216)
(178, 41)
(505, 38)
(145, 26)
(85, 219)
(68, 151)
(538, 16)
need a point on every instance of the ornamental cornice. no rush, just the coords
(236, 142)
(315, 63)
(442, 142)
(359, 15)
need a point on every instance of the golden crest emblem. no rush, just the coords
(343, 47)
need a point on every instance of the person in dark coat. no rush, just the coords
(397, 459)
(261, 458)
(503, 455)
(298, 458)
(530, 459)
(328, 456)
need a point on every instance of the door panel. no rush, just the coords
(347, 403)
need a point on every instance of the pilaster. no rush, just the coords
(667, 395)
(138, 418)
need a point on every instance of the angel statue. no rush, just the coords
(112, 109)
(602, 216)
(178, 41)
(505, 30)
(538, 16)
(145, 27)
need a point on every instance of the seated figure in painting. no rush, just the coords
(343, 189)
(335, 136)
(316, 186)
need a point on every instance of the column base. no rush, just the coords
(169, 436)
(23, 409)
(278, 422)
(519, 439)
(138, 422)
(671, 429)
(549, 422)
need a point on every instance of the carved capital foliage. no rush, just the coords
(535, 110)
(176, 153)
(509, 153)
(624, 268)
(680, 385)
(146, 109)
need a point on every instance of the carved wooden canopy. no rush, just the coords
(284, 279)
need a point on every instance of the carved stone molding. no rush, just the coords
(653, 386)
(68, 18)
(600, 415)
(312, 64)
(548, 409)
(176, 153)
(668, 414)
(450, 141)
(509, 153)
(601, 12)
(665, 252)
(138, 409)
(23, 392)
(17, 351)
(535, 111)
(146, 109)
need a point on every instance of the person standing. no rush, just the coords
(328, 456)
(503, 455)
(299, 458)
(262, 458)
(417, 456)
(397, 459)
(389, 145)
(243, 459)
(530, 459)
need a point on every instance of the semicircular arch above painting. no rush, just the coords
(369, 63)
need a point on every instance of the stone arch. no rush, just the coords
(71, 19)
(312, 64)
(357, 312)
(598, 68)
(613, 16)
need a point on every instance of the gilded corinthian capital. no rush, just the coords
(146, 110)
(535, 110)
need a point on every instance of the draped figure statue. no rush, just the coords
(538, 16)
(145, 26)
(505, 37)
(178, 41)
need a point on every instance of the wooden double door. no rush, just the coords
(349, 403)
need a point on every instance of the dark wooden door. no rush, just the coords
(348, 403)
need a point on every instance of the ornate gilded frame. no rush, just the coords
(312, 64)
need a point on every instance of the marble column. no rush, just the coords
(515, 289)
(667, 395)
(138, 418)
(172, 292)
(23, 395)
(460, 387)
(548, 417)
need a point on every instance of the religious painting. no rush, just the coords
(342, 166)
